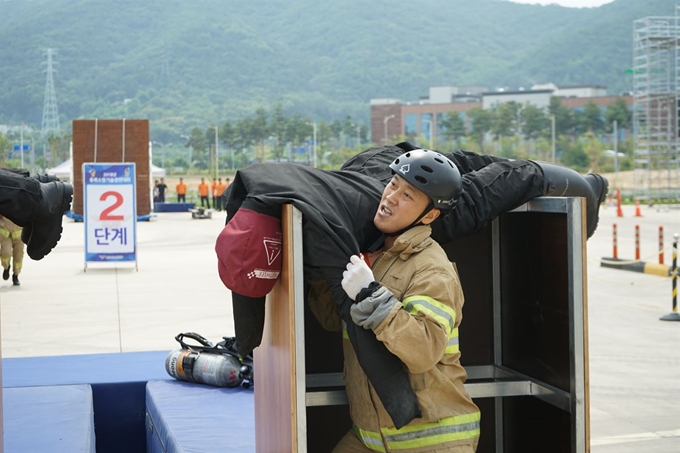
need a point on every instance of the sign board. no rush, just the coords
(19, 147)
(110, 213)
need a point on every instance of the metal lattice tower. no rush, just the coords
(656, 104)
(50, 119)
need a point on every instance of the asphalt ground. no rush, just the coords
(61, 309)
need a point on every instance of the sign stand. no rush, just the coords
(110, 213)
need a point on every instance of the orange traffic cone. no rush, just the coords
(619, 211)
(637, 209)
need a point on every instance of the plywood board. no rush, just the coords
(274, 359)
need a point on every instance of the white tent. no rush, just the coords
(61, 171)
(64, 169)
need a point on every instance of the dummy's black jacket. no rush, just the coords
(338, 209)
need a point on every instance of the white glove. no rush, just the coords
(356, 277)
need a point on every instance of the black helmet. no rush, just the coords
(431, 173)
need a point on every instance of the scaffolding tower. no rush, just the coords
(656, 107)
(50, 119)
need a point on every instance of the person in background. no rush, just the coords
(220, 189)
(156, 193)
(203, 191)
(11, 248)
(181, 190)
(213, 192)
(162, 187)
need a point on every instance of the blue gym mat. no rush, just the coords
(55, 419)
(194, 418)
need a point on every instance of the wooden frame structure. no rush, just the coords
(524, 339)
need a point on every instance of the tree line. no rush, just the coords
(511, 129)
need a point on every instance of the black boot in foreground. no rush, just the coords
(42, 235)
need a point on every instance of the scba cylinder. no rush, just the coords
(220, 370)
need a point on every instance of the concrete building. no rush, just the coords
(392, 118)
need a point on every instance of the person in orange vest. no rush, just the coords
(213, 192)
(220, 189)
(11, 248)
(203, 191)
(181, 189)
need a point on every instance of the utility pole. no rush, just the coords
(21, 144)
(217, 155)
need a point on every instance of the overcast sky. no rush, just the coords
(567, 3)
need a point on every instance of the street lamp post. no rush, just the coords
(162, 145)
(431, 131)
(552, 126)
(385, 120)
(186, 137)
(314, 162)
(616, 147)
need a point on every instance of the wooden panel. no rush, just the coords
(112, 141)
(274, 359)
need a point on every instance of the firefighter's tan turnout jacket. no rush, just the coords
(423, 332)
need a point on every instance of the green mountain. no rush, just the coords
(192, 63)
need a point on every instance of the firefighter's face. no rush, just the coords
(401, 204)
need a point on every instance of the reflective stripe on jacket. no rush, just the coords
(423, 333)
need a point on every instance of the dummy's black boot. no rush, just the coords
(600, 187)
(5, 274)
(565, 182)
(15, 280)
(45, 177)
(44, 231)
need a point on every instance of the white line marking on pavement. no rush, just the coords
(639, 437)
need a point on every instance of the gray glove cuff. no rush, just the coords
(373, 310)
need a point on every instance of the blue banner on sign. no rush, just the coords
(300, 150)
(17, 147)
(110, 212)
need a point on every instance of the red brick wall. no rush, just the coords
(102, 141)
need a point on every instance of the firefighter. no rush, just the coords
(11, 248)
(410, 296)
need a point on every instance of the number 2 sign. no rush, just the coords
(110, 212)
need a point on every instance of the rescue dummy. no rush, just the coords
(338, 209)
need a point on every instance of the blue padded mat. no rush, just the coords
(55, 419)
(193, 418)
(84, 369)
